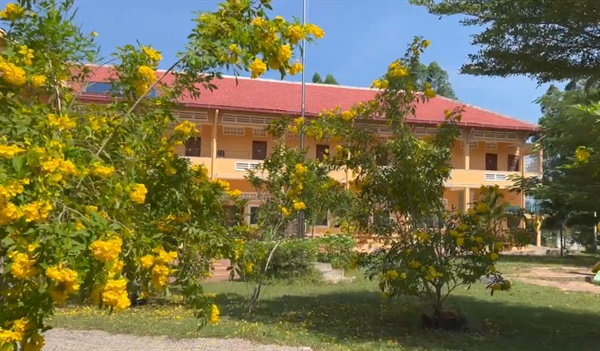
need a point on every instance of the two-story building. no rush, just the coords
(232, 121)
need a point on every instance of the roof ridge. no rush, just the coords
(484, 109)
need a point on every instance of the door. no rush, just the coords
(513, 163)
(491, 162)
(192, 147)
(322, 151)
(259, 150)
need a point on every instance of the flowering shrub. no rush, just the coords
(94, 204)
(435, 261)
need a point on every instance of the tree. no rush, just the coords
(400, 182)
(568, 191)
(317, 78)
(435, 77)
(329, 79)
(94, 203)
(543, 39)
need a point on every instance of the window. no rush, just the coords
(98, 88)
(254, 214)
(259, 132)
(193, 147)
(235, 131)
(513, 163)
(106, 88)
(491, 146)
(472, 144)
(322, 151)
(491, 162)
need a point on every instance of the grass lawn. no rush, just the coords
(353, 317)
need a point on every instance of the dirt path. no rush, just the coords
(564, 278)
(68, 340)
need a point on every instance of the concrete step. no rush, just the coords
(322, 267)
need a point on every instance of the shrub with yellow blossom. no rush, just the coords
(89, 192)
(435, 260)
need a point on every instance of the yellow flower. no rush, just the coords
(235, 193)
(107, 251)
(65, 282)
(494, 256)
(249, 267)
(397, 70)
(7, 337)
(79, 225)
(27, 54)
(147, 261)
(258, 21)
(9, 213)
(425, 44)
(284, 211)
(186, 129)
(223, 184)
(285, 53)
(257, 68)
(153, 55)
(414, 264)
(498, 245)
(423, 236)
(23, 267)
(392, 275)
(300, 169)
(10, 151)
(160, 276)
(582, 154)
(138, 194)
(115, 294)
(314, 30)
(147, 74)
(380, 84)
(12, 12)
(12, 74)
(164, 257)
(295, 33)
(61, 122)
(102, 171)
(214, 314)
(36, 211)
(460, 241)
(295, 68)
(38, 81)
(94, 34)
(299, 205)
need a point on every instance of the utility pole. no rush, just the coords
(301, 229)
(595, 241)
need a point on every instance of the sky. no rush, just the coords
(361, 38)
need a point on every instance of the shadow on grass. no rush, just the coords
(575, 260)
(361, 318)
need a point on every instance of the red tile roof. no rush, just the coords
(281, 97)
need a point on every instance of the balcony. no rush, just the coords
(232, 168)
(475, 178)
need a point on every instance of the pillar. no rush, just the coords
(467, 152)
(540, 167)
(467, 199)
(213, 144)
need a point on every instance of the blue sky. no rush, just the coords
(361, 38)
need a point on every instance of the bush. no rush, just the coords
(291, 260)
(520, 237)
(337, 249)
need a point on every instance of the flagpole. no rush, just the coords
(301, 230)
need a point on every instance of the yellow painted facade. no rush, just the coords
(230, 143)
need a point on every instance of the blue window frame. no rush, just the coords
(105, 88)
